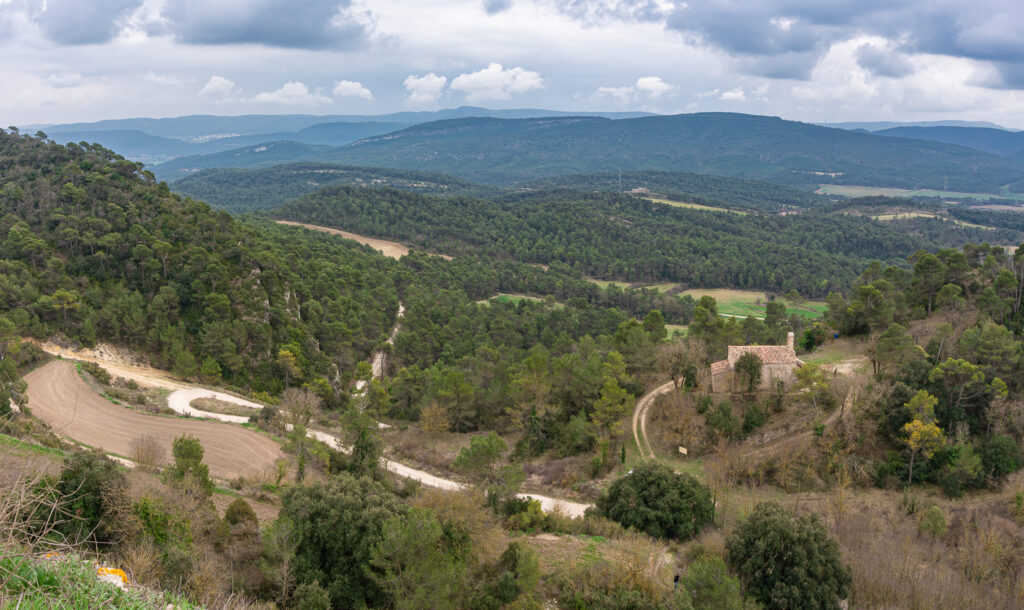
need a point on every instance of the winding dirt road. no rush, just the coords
(59, 397)
(640, 418)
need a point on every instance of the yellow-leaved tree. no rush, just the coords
(923, 436)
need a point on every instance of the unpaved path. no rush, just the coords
(640, 417)
(377, 359)
(59, 397)
(225, 436)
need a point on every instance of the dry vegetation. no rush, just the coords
(226, 408)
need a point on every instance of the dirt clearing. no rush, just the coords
(387, 248)
(59, 397)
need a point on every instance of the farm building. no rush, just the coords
(778, 362)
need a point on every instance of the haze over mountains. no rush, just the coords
(156, 140)
(504, 147)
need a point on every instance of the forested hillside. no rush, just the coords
(138, 145)
(507, 151)
(244, 190)
(995, 141)
(94, 249)
(705, 189)
(623, 237)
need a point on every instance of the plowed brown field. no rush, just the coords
(59, 397)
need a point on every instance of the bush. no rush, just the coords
(239, 511)
(146, 452)
(933, 522)
(90, 487)
(721, 420)
(786, 561)
(659, 502)
(97, 372)
(1000, 456)
(964, 471)
(188, 464)
(336, 526)
(311, 596)
(753, 418)
(711, 586)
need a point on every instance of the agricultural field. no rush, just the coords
(843, 190)
(747, 303)
(509, 298)
(682, 329)
(695, 206)
(607, 283)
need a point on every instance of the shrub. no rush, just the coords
(659, 502)
(97, 372)
(335, 526)
(146, 452)
(753, 418)
(90, 487)
(239, 511)
(721, 420)
(786, 561)
(711, 586)
(188, 464)
(703, 404)
(1000, 456)
(933, 522)
(311, 596)
(964, 471)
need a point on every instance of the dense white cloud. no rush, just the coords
(496, 83)
(292, 93)
(646, 89)
(351, 88)
(218, 87)
(734, 95)
(424, 90)
(653, 86)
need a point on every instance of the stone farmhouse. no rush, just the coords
(778, 363)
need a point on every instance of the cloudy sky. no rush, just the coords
(812, 60)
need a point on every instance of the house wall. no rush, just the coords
(771, 372)
(725, 381)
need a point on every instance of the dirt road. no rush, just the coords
(50, 392)
(59, 397)
(640, 417)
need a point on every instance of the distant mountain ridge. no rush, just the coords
(508, 151)
(995, 141)
(138, 145)
(880, 125)
(154, 141)
(196, 126)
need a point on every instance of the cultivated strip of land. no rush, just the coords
(59, 397)
(390, 249)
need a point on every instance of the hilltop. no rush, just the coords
(506, 151)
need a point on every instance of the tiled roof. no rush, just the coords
(720, 367)
(769, 354)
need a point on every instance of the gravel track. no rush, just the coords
(56, 388)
